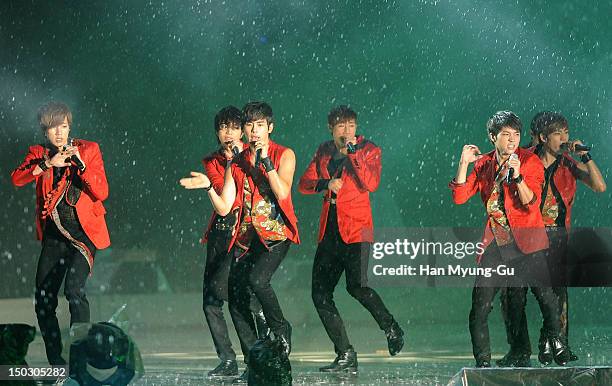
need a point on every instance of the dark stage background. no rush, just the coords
(144, 79)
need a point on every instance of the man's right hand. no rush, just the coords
(59, 159)
(470, 153)
(335, 184)
(196, 181)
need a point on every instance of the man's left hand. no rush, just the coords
(572, 146)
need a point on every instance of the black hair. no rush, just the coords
(551, 122)
(254, 111)
(502, 119)
(228, 114)
(339, 114)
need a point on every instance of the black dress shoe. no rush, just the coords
(395, 338)
(483, 363)
(546, 352)
(345, 362)
(242, 379)
(285, 341)
(228, 368)
(560, 351)
(514, 360)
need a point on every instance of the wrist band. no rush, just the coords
(208, 188)
(518, 179)
(43, 165)
(585, 158)
(267, 163)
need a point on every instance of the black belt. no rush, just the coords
(223, 227)
(554, 228)
(225, 223)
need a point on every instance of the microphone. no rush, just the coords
(511, 170)
(258, 158)
(77, 162)
(257, 155)
(73, 158)
(577, 147)
(350, 148)
(235, 151)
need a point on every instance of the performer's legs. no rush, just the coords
(562, 299)
(549, 306)
(513, 302)
(483, 294)
(239, 302)
(264, 264)
(482, 298)
(355, 261)
(326, 272)
(216, 275)
(52, 265)
(74, 288)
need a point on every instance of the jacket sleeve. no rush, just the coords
(367, 166)
(310, 178)
(217, 179)
(533, 173)
(462, 192)
(23, 174)
(94, 176)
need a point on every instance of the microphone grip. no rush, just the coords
(77, 161)
(509, 176)
(258, 158)
(579, 147)
(350, 148)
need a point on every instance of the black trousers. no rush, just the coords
(58, 260)
(333, 257)
(484, 293)
(556, 259)
(216, 279)
(253, 272)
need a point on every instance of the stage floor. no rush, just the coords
(374, 369)
(176, 347)
(180, 363)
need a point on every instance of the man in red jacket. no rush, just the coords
(345, 170)
(228, 128)
(257, 192)
(561, 173)
(70, 187)
(509, 180)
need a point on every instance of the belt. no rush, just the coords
(330, 200)
(554, 228)
(223, 227)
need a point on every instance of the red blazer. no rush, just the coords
(525, 220)
(360, 177)
(565, 180)
(95, 189)
(240, 167)
(214, 166)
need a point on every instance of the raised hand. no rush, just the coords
(196, 181)
(470, 153)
